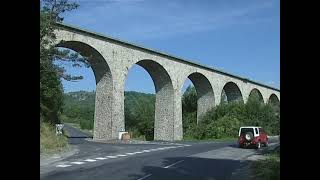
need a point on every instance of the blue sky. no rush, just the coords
(238, 37)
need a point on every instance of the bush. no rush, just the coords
(86, 124)
(189, 120)
(224, 121)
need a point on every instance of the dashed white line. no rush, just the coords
(77, 162)
(153, 149)
(63, 165)
(126, 154)
(101, 158)
(121, 155)
(90, 160)
(111, 156)
(170, 147)
(144, 177)
(173, 164)
(138, 152)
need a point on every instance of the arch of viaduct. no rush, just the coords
(111, 60)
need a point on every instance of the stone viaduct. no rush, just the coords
(111, 60)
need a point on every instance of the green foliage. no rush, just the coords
(224, 120)
(189, 100)
(139, 111)
(86, 124)
(220, 122)
(79, 108)
(51, 91)
(189, 111)
(51, 99)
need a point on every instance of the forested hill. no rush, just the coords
(87, 99)
(80, 98)
(79, 108)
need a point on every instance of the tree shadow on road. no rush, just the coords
(191, 168)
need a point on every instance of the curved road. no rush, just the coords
(177, 160)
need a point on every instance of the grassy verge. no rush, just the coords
(268, 169)
(49, 142)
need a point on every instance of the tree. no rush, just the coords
(51, 98)
(189, 109)
(189, 100)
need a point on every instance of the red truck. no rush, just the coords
(252, 136)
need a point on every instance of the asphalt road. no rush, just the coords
(165, 161)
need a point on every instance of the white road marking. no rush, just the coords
(153, 149)
(101, 158)
(144, 177)
(90, 160)
(63, 165)
(111, 156)
(121, 155)
(172, 147)
(77, 162)
(173, 164)
(138, 152)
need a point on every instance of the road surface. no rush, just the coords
(150, 161)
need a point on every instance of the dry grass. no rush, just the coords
(49, 141)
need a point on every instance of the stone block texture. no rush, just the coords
(111, 60)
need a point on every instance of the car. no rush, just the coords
(252, 136)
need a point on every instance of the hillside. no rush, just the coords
(79, 108)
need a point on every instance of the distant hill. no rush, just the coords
(81, 98)
(87, 99)
(79, 106)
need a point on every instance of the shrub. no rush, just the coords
(86, 124)
(223, 121)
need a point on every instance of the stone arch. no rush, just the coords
(274, 100)
(231, 92)
(256, 92)
(205, 93)
(104, 87)
(164, 105)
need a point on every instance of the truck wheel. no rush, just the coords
(249, 136)
(259, 145)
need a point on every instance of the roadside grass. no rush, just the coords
(49, 141)
(268, 169)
